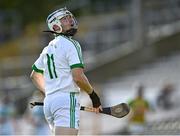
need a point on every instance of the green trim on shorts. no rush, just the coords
(72, 109)
(36, 69)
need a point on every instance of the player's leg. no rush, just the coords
(49, 119)
(65, 131)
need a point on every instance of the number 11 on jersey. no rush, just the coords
(51, 66)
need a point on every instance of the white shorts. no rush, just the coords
(62, 109)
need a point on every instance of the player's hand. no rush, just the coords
(97, 110)
(95, 101)
(32, 104)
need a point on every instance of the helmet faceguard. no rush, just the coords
(55, 25)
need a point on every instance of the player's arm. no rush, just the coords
(83, 83)
(74, 57)
(37, 72)
(38, 80)
(81, 80)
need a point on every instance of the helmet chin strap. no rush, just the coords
(49, 31)
(70, 32)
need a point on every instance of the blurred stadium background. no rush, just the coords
(124, 42)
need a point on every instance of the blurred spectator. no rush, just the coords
(164, 99)
(40, 125)
(139, 106)
(33, 121)
(25, 122)
(7, 112)
(39, 122)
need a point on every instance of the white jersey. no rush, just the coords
(56, 61)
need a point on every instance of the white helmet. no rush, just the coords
(54, 24)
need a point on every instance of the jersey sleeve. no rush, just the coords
(74, 56)
(38, 66)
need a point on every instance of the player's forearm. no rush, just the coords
(82, 81)
(84, 84)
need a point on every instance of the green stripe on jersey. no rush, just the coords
(80, 65)
(36, 69)
(77, 46)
